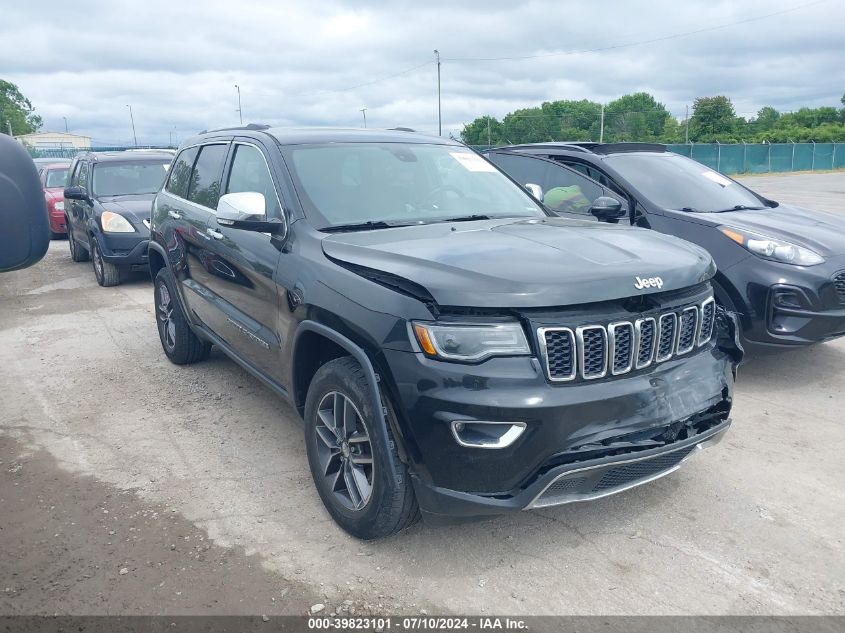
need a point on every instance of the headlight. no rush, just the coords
(770, 248)
(115, 223)
(59, 206)
(471, 342)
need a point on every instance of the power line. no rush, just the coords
(637, 43)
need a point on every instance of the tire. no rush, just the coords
(178, 341)
(368, 501)
(107, 274)
(77, 251)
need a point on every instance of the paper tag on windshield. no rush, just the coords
(716, 177)
(472, 161)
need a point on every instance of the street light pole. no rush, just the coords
(601, 125)
(240, 111)
(132, 118)
(65, 118)
(439, 115)
(364, 112)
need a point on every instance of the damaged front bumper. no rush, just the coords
(579, 441)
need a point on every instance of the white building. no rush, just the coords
(55, 140)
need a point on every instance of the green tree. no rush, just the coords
(16, 110)
(485, 130)
(635, 117)
(713, 119)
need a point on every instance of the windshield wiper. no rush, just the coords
(739, 207)
(369, 225)
(467, 218)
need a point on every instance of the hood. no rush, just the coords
(526, 263)
(817, 230)
(137, 206)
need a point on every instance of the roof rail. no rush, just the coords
(401, 129)
(254, 127)
(618, 148)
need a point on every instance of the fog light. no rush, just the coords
(481, 434)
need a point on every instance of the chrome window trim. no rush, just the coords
(703, 341)
(668, 315)
(541, 339)
(638, 325)
(695, 328)
(611, 347)
(579, 338)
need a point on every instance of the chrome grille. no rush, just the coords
(708, 318)
(646, 330)
(839, 282)
(687, 329)
(591, 351)
(667, 326)
(621, 337)
(558, 347)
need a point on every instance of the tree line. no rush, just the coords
(640, 117)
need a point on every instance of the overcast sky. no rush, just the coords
(320, 62)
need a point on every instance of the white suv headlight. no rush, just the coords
(468, 343)
(115, 223)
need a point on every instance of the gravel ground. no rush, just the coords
(94, 418)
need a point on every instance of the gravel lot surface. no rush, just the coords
(212, 509)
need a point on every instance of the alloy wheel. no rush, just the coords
(167, 326)
(344, 450)
(97, 259)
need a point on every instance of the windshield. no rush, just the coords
(117, 179)
(394, 183)
(676, 182)
(56, 178)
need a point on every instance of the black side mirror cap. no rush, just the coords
(75, 193)
(607, 209)
(25, 234)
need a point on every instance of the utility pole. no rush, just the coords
(686, 118)
(439, 115)
(601, 126)
(132, 118)
(65, 118)
(489, 142)
(9, 125)
(240, 111)
(364, 112)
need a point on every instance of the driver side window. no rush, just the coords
(249, 172)
(564, 190)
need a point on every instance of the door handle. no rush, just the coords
(173, 214)
(217, 235)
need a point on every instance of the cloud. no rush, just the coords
(318, 63)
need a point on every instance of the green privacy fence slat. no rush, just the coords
(761, 158)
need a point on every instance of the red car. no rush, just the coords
(53, 177)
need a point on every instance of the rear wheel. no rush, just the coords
(77, 251)
(107, 274)
(179, 342)
(355, 466)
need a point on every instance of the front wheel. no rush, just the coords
(355, 466)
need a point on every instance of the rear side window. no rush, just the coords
(204, 187)
(180, 173)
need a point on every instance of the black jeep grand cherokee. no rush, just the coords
(452, 347)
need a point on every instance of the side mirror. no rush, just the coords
(75, 193)
(535, 190)
(24, 237)
(246, 210)
(607, 209)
